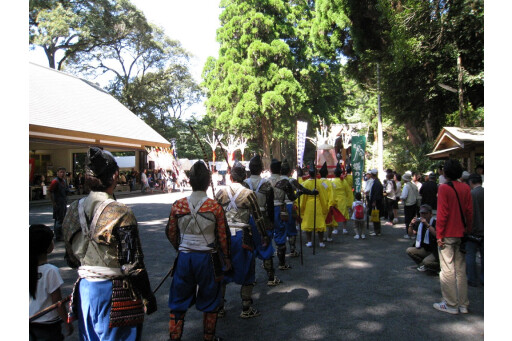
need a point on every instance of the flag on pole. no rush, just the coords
(357, 159)
(302, 127)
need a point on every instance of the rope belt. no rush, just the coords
(99, 273)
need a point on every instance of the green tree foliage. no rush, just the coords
(148, 71)
(268, 74)
(417, 44)
(67, 29)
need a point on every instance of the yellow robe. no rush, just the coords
(341, 196)
(350, 180)
(307, 206)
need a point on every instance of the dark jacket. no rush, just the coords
(477, 194)
(428, 192)
(432, 245)
(376, 195)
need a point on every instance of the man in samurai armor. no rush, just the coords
(265, 196)
(280, 213)
(198, 230)
(240, 204)
(102, 241)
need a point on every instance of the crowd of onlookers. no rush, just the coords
(149, 180)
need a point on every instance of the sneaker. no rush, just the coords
(345, 231)
(321, 244)
(294, 254)
(388, 223)
(335, 231)
(463, 309)
(421, 268)
(406, 236)
(329, 239)
(284, 267)
(309, 244)
(251, 312)
(363, 236)
(441, 306)
(356, 236)
(373, 234)
(274, 282)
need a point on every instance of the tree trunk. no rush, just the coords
(462, 122)
(266, 135)
(413, 134)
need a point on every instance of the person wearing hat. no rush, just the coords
(368, 183)
(312, 220)
(198, 232)
(265, 196)
(428, 192)
(240, 205)
(475, 241)
(409, 197)
(464, 177)
(376, 197)
(424, 249)
(102, 240)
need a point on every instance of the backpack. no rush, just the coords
(359, 211)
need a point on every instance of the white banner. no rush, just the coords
(302, 127)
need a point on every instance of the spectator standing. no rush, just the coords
(359, 225)
(390, 197)
(476, 239)
(409, 197)
(480, 171)
(376, 196)
(428, 193)
(454, 218)
(58, 196)
(442, 179)
(416, 177)
(44, 287)
(398, 181)
(144, 181)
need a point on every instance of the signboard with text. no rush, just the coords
(357, 159)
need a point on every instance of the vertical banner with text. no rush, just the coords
(357, 160)
(301, 141)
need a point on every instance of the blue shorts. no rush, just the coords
(242, 262)
(261, 252)
(193, 282)
(279, 227)
(94, 314)
(291, 229)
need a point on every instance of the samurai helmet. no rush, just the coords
(238, 173)
(311, 169)
(256, 165)
(100, 163)
(338, 170)
(275, 166)
(285, 167)
(323, 171)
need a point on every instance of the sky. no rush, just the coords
(193, 22)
